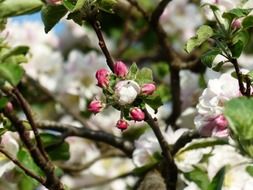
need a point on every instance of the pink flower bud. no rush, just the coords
(137, 114)
(54, 2)
(122, 124)
(120, 69)
(9, 107)
(102, 76)
(236, 24)
(148, 89)
(96, 106)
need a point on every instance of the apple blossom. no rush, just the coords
(122, 124)
(102, 76)
(120, 69)
(209, 120)
(137, 114)
(127, 91)
(96, 106)
(148, 89)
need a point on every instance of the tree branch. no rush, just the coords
(158, 12)
(126, 146)
(28, 112)
(26, 170)
(170, 170)
(52, 181)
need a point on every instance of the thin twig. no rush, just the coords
(20, 165)
(69, 130)
(97, 28)
(245, 92)
(28, 112)
(52, 181)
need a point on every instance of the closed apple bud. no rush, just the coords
(102, 76)
(9, 107)
(54, 2)
(120, 69)
(137, 114)
(148, 89)
(122, 124)
(236, 24)
(96, 106)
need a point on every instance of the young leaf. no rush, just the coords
(208, 57)
(133, 70)
(24, 157)
(59, 152)
(13, 73)
(10, 8)
(249, 169)
(217, 182)
(51, 15)
(203, 33)
(19, 50)
(106, 5)
(247, 22)
(199, 177)
(3, 102)
(203, 144)
(236, 13)
(69, 4)
(239, 113)
(144, 76)
(240, 40)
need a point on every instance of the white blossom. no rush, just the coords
(127, 91)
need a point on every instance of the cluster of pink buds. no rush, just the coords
(121, 90)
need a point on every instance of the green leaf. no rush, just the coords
(217, 181)
(249, 169)
(154, 101)
(133, 70)
(13, 73)
(19, 50)
(198, 176)
(160, 69)
(203, 143)
(203, 33)
(218, 66)
(239, 113)
(208, 57)
(247, 22)
(236, 13)
(55, 146)
(144, 76)
(239, 41)
(3, 102)
(69, 4)
(142, 170)
(79, 5)
(27, 183)
(76, 17)
(10, 8)
(51, 15)
(24, 157)
(106, 5)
